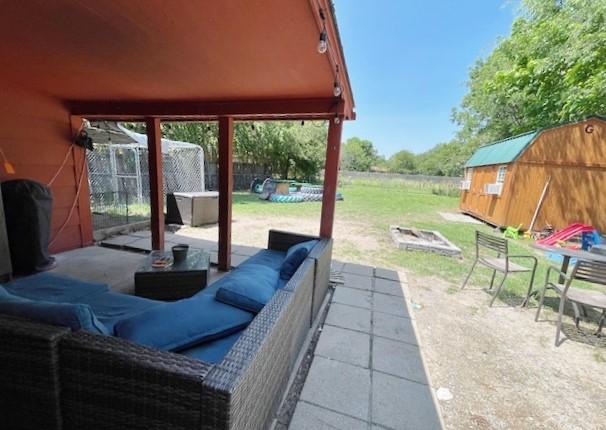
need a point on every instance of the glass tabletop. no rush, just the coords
(197, 259)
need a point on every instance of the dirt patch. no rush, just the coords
(501, 366)
(350, 238)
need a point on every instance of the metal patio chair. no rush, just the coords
(486, 247)
(589, 271)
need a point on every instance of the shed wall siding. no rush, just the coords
(490, 208)
(576, 162)
(574, 195)
(569, 145)
(35, 134)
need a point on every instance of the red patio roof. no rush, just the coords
(228, 54)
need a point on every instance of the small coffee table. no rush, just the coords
(179, 281)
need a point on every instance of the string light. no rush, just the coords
(323, 43)
(337, 87)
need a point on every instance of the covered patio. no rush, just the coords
(158, 61)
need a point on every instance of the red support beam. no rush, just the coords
(226, 134)
(331, 174)
(280, 109)
(81, 175)
(156, 194)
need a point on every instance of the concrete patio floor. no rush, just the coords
(367, 370)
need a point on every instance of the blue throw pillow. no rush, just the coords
(294, 257)
(248, 287)
(75, 316)
(182, 324)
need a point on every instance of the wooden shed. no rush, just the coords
(553, 176)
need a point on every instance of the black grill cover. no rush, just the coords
(27, 207)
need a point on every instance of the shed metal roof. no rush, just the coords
(502, 152)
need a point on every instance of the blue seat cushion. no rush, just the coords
(182, 324)
(294, 257)
(110, 308)
(75, 316)
(52, 287)
(215, 350)
(266, 257)
(248, 287)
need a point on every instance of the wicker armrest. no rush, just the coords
(29, 374)
(245, 389)
(125, 385)
(282, 240)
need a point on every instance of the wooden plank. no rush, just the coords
(226, 132)
(208, 110)
(331, 174)
(156, 195)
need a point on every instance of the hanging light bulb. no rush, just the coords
(323, 43)
(337, 89)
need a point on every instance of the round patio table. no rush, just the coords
(567, 254)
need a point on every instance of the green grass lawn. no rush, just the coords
(379, 204)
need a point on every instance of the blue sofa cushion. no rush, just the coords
(75, 316)
(213, 351)
(110, 308)
(248, 287)
(294, 257)
(182, 324)
(52, 287)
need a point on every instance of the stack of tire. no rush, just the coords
(289, 198)
(312, 189)
(300, 197)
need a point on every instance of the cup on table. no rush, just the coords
(180, 253)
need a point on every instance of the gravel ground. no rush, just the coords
(502, 367)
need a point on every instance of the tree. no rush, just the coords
(358, 155)
(446, 159)
(286, 148)
(551, 69)
(402, 162)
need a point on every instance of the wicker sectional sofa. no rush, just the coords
(53, 378)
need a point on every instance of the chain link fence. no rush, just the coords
(119, 179)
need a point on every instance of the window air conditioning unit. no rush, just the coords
(493, 189)
(465, 185)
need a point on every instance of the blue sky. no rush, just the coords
(408, 61)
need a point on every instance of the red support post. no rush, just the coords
(81, 175)
(226, 134)
(156, 189)
(331, 174)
